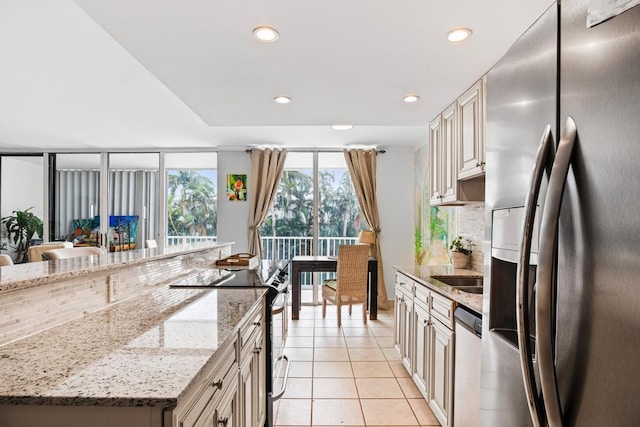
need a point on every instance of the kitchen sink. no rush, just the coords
(461, 282)
(469, 289)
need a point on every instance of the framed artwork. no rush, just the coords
(237, 187)
(123, 230)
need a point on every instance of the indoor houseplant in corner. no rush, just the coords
(460, 251)
(21, 227)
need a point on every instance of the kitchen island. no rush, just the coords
(39, 295)
(146, 361)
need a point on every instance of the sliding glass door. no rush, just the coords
(22, 181)
(132, 200)
(75, 216)
(314, 212)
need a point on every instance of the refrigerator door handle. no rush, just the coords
(544, 279)
(536, 406)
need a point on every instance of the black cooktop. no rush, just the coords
(268, 274)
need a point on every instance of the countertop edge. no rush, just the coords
(98, 264)
(471, 301)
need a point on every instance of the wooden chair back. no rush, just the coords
(353, 273)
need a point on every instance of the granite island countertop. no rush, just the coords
(22, 276)
(146, 351)
(424, 273)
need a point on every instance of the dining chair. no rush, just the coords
(350, 285)
(5, 260)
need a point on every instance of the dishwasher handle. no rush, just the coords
(470, 321)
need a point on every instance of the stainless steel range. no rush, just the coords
(273, 277)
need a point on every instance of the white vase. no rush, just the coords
(459, 260)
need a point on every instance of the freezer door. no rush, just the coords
(521, 103)
(598, 277)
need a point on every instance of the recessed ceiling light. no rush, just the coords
(458, 34)
(265, 34)
(281, 99)
(342, 127)
(411, 98)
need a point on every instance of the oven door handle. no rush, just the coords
(279, 394)
(277, 309)
(536, 406)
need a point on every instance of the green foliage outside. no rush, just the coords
(191, 202)
(292, 215)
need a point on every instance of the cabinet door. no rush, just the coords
(435, 162)
(253, 384)
(440, 393)
(406, 352)
(421, 358)
(228, 410)
(403, 334)
(398, 333)
(449, 138)
(471, 158)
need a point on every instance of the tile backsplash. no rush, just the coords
(471, 224)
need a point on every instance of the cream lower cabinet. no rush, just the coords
(232, 393)
(422, 347)
(424, 339)
(404, 325)
(440, 373)
(252, 383)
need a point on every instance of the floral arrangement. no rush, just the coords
(462, 245)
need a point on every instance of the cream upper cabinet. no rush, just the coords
(456, 150)
(442, 157)
(471, 121)
(435, 162)
(449, 176)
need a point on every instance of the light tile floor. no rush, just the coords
(349, 376)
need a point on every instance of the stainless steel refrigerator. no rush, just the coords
(561, 338)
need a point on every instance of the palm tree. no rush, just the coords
(191, 202)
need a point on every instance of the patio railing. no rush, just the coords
(181, 240)
(285, 248)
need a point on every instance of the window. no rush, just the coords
(191, 197)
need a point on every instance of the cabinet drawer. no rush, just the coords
(442, 308)
(210, 387)
(404, 284)
(255, 323)
(422, 295)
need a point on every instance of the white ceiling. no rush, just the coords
(137, 74)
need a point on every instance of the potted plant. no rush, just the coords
(460, 251)
(21, 227)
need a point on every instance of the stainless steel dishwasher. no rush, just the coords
(468, 347)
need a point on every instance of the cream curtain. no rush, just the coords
(362, 168)
(266, 170)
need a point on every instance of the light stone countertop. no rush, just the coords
(146, 351)
(36, 273)
(423, 275)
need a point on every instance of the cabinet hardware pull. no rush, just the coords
(257, 350)
(257, 323)
(217, 384)
(223, 422)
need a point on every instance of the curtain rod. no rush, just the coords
(248, 150)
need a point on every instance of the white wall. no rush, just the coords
(233, 216)
(395, 207)
(22, 184)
